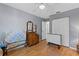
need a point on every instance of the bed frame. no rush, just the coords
(12, 46)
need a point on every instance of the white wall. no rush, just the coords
(74, 30)
(61, 26)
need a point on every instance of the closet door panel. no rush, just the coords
(61, 26)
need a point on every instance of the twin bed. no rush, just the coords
(11, 41)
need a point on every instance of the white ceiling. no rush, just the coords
(51, 8)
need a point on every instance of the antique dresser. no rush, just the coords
(32, 37)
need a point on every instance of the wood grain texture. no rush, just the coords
(43, 49)
(32, 38)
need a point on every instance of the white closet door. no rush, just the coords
(45, 29)
(61, 26)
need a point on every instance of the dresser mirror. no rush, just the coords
(29, 26)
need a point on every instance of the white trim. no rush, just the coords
(73, 48)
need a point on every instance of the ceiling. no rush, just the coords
(51, 8)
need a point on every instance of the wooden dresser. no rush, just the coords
(32, 37)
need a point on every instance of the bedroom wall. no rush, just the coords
(73, 25)
(74, 30)
(13, 20)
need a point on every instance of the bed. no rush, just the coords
(11, 41)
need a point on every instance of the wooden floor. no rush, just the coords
(43, 49)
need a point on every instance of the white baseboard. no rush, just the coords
(73, 48)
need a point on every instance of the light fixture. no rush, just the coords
(58, 12)
(42, 6)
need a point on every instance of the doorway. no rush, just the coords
(45, 29)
